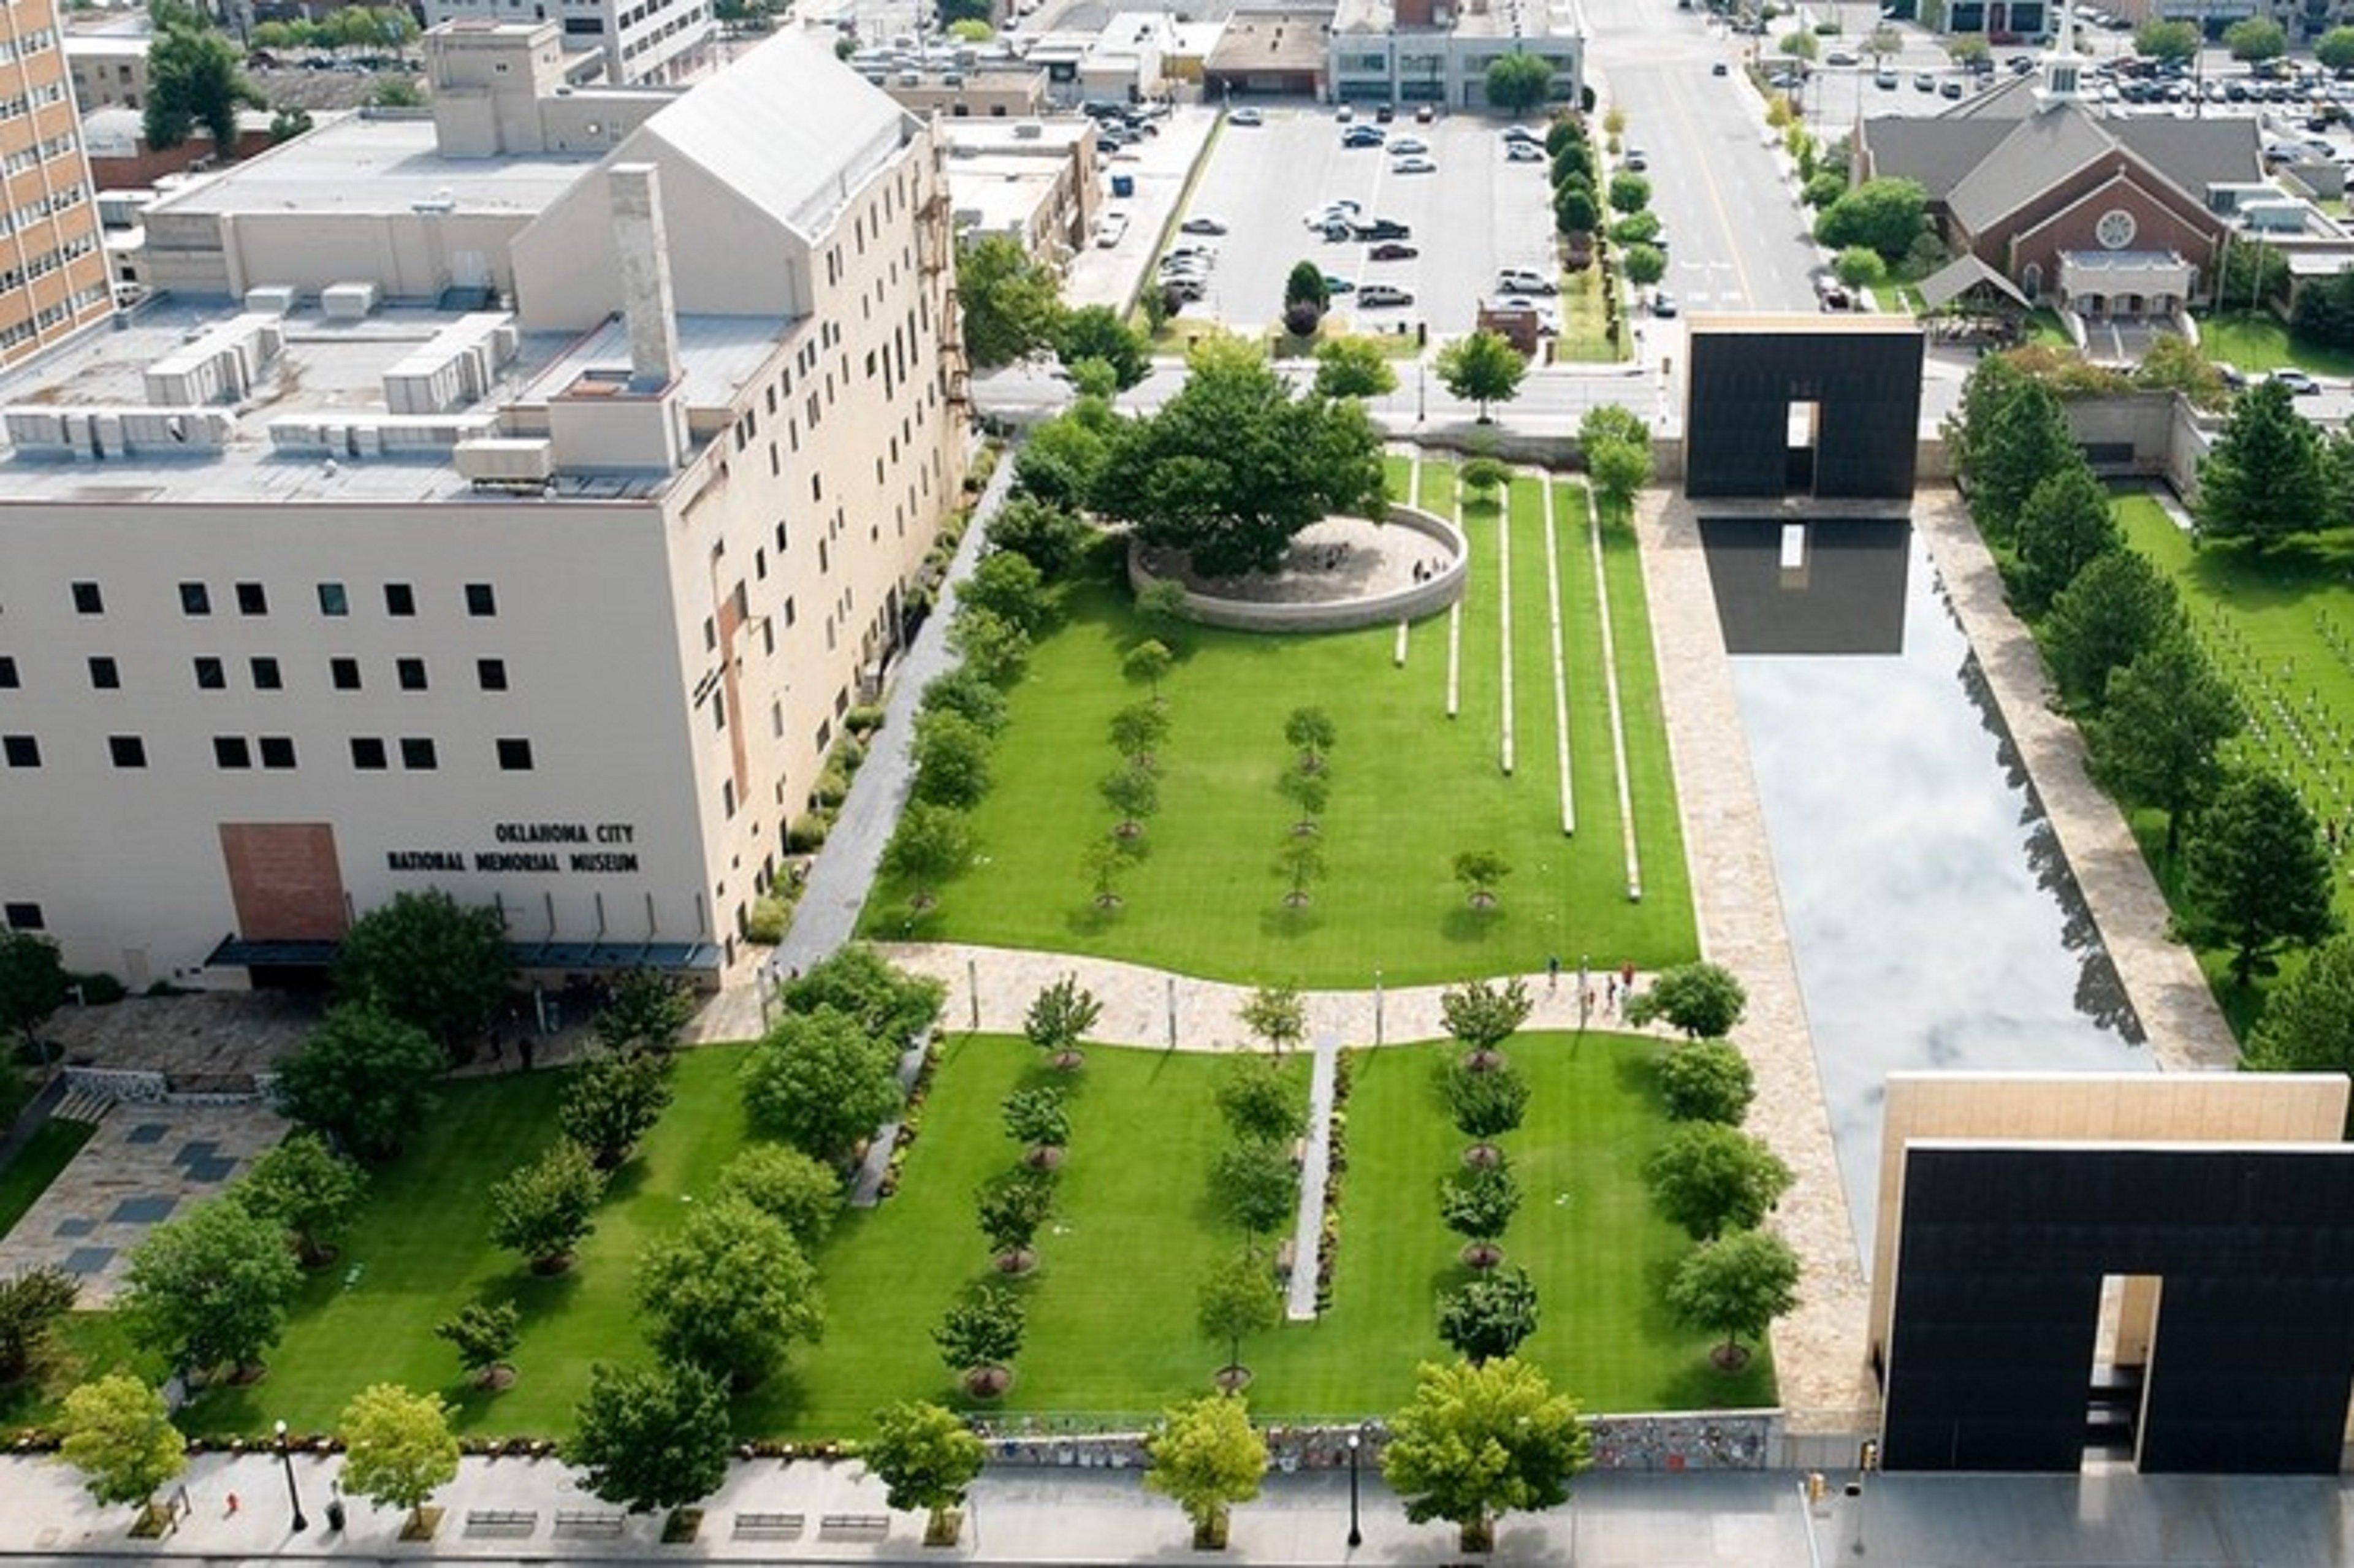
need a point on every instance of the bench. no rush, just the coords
(768, 1526)
(585, 1521)
(853, 1527)
(501, 1521)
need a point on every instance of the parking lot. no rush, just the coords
(1474, 215)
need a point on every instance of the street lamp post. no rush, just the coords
(293, 1496)
(1356, 1536)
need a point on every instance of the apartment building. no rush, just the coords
(53, 276)
(546, 582)
(642, 42)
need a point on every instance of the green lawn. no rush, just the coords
(2271, 605)
(1584, 334)
(1411, 789)
(1111, 1304)
(2258, 340)
(28, 1173)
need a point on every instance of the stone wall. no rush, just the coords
(1408, 603)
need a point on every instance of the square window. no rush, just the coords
(412, 674)
(277, 751)
(211, 676)
(417, 752)
(265, 675)
(8, 672)
(481, 599)
(492, 673)
(88, 600)
(399, 599)
(20, 750)
(251, 599)
(367, 752)
(515, 756)
(23, 916)
(230, 751)
(196, 599)
(333, 601)
(128, 750)
(344, 673)
(104, 676)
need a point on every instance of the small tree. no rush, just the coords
(1104, 861)
(542, 1209)
(1133, 793)
(483, 1333)
(1709, 1179)
(1060, 1016)
(1479, 871)
(962, 691)
(1301, 863)
(305, 1187)
(1735, 1284)
(1099, 332)
(1276, 1014)
(652, 1437)
(2256, 878)
(2117, 608)
(1008, 586)
(1483, 367)
(1860, 267)
(209, 1289)
(1010, 1208)
(1518, 81)
(2014, 436)
(990, 646)
(1487, 1318)
(1137, 732)
(1149, 662)
(1051, 536)
(1483, 1015)
(1703, 1000)
(1484, 474)
(2305, 1026)
(1486, 1104)
(1352, 367)
(363, 1078)
(2064, 526)
(931, 844)
(397, 1451)
(1259, 1102)
(1708, 1080)
(1238, 1298)
(648, 1011)
(925, 1458)
(981, 1335)
(1256, 1187)
(1619, 469)
(1039, 1120)
(821, 1082)
(1311, 733)
(118, 1433)
(33, 984)
(2255, 38)
(1305, 285)
(951, 758)
(730, 1292)
(2159, 41)
(2334, 48)
(1206, 1456)
(610, 1102)
(2264, 479)
(31, 1304)
(2158, 737)
(1480, 1440)
(855, 981)
(1643, 264)
(1478, 1204)
(1629, 193)
(427, 960)
(1886, 216)
(1008, 299)
(802, 1195)
(194, 79)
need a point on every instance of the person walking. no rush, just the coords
(1553, 973)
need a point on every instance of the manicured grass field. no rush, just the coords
(2259, 340)
(1112, 1303)
(27, 1175)
(2260, 616)
(1411, 788)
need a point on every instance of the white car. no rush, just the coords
(1332, 212)
(1405, 144)
(1841, 58)
(1521, 281)
(1110, 229)
(1246, 117)
(1202, 226)
(1413, 167)
(1524, 152)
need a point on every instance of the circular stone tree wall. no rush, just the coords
(1339, 573)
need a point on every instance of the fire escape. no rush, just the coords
(936, 256)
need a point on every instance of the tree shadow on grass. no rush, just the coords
(1284, 922)
(1464, 926)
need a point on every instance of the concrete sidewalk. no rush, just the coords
(1752, 1520)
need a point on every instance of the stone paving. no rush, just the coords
(144, 1164)
(1818, 1350)
(214, 1035)
(2161, 976)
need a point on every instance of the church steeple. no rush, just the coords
(2062, 68)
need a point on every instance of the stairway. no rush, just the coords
(84, 1106)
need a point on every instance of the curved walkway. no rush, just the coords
(990, 989)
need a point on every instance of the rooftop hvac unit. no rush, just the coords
(275, 300)
(219, 363)
(456, 366)
(506, 462)
(348, 301)
(1028, 131)
(378, 435)
(2274, 217)
(121, 430)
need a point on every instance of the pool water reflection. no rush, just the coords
(1934, 919)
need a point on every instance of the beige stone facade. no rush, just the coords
(53, 273)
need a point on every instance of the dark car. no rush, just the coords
(1384, 228)
(1384, 114)
(1717, 70)
(1393, 251)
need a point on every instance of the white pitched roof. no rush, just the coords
(788, 126)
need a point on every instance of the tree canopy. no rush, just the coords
(2255, 877)
(1707, 1080)
(652, 1437)
(1885, 215)
(2064, 526)
(1353, 368)
(926, 1459)
(1009, 299)
(33, 982)
(363, 1078)
(1480, 1440)
(210, 1288)
(118, 1433)
(2255, 39)
(1485, 1318)
(1735, 1285)
(1234, 465)
(1708, 1178)
(2264, 479)
(1518, 81)
(1098, 332)
(802, 1195)
(307, 1189)
(730, 1292)
(1702, 999)
(427, 960)
(1206, 1456)
(195, 77)
(397, 1450)
(821, 1082)
(2308, 1021)
(2118, 607)
(1484, 368)
(2158, 736)
(2162, 40)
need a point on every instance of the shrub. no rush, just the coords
(1708, 1080)
(865, 719)
(768, 916)
(806, 833)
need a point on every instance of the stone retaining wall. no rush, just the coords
(1701, 1440)
(1408, 603)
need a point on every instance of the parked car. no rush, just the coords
(1345, 113)
(1409, 144)
(1633, 163)
(1424, 115)
(1112, 228)
(1202, 226)
(1391, 250)
(1524, 152)
(1384, 228)
(1662, 303)
(1338, 230)
(1841, 58)
(1384, 114)
(1343, 210)
(1522, 281)
(1523, 136)
(1381, 296)
(1245, 116)
(1717, 70)
(1336, 284)
(1949, 89)
(2298, 382)
(1362, 137)
(1413, 167)
(1923, 82)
